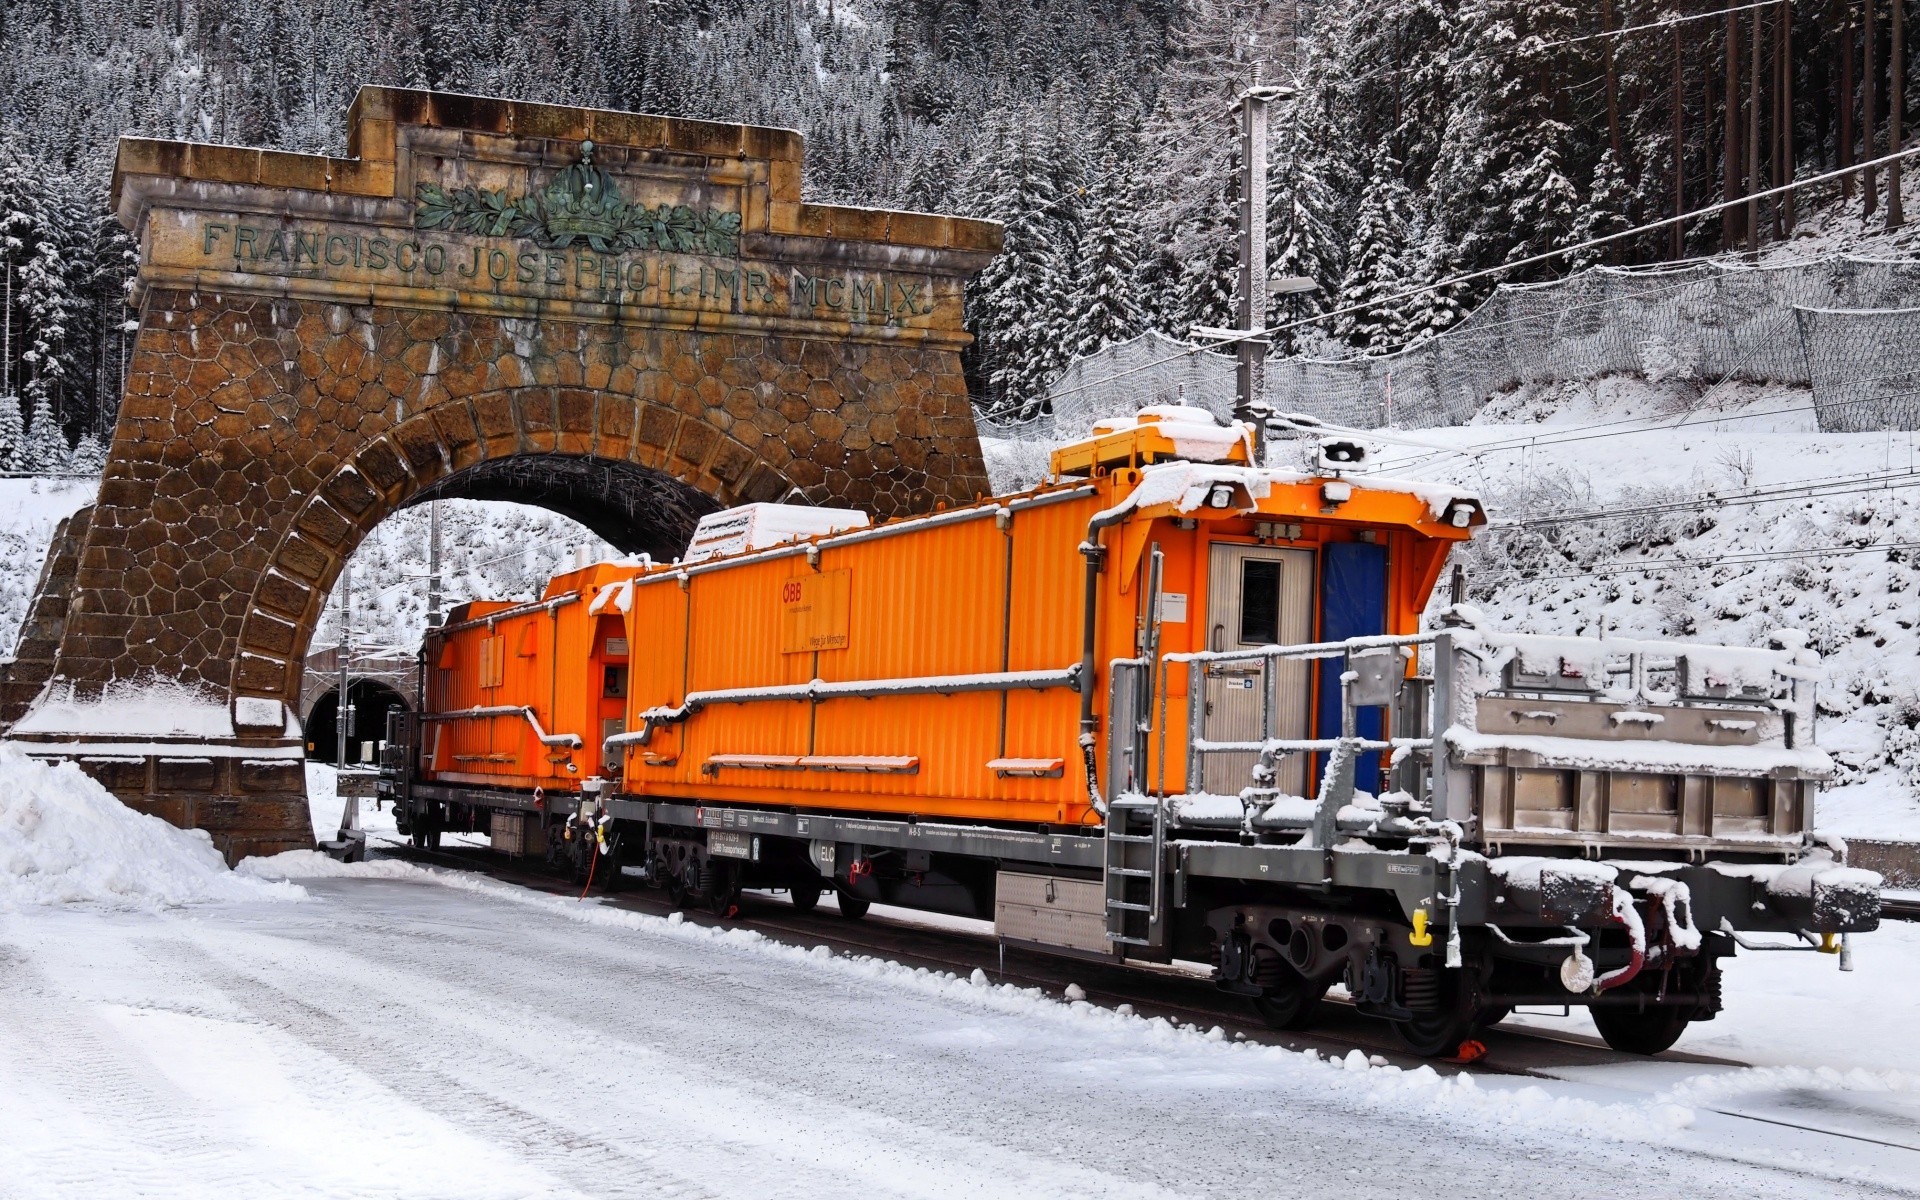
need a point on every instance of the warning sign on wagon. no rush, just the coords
(813, 612)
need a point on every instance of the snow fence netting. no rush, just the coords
(64, 839)
(1847, 327)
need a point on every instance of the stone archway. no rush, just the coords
(628, 318)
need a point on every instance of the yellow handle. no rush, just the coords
(1420, 936)
(1829, 943)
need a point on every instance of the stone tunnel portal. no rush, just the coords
(629, 319)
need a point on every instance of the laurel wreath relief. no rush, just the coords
(581, 205)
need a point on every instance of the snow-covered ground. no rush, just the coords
(168, 1029)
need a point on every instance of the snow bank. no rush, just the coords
(64, 839)
(311, 864)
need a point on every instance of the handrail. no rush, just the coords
(571, 740)
(1304, 650)
(853, 689)
(518, 610)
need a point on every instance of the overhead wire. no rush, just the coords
(1501, 269)
(1741, 558)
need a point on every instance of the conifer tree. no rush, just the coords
(1019, 300)
(1378, 262)
(1501, 183)
(13, 434)
(89, 456)
(1307, 183)
(1603, 212)
(1106, 291)
(45, 451)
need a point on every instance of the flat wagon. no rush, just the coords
(1168, 705)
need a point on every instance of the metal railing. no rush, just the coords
(1375, 670)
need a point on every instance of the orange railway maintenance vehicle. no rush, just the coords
(1168, 705)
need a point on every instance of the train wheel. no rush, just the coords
(1290, 1005)
(1487, 1018)
(852, 907)
(723, 890)
(676, 889)
(1435, 1035)
(805, 897)
(1648, 1032)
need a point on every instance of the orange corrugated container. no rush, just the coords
(915, 630)
(524, 695)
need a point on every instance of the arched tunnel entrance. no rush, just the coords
(368, 702)
(633, 508)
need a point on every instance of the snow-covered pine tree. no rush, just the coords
(44, 236)
(1378, 262)
(1017, 308)
(1192, 217)
(1604, 212)
(13, 434)
(89, 456)
(1430, 260)
(1391, 64)
(1309, 185)
(1106, 296)
(46, 451)
(1501, 188)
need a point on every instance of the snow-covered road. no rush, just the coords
(432, 1036)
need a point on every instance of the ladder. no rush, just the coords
(1136, 872)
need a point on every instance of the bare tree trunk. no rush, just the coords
(1896, 101)
(1679, 149)
(1777, 148)
(1753, 141)
(1869, 75)
(1730, 157)
(1786, 114)
(1846, 97)
(1613, 83)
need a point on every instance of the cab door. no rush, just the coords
(1257, 596)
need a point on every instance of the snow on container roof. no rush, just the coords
(759, 526)
(1157, 433)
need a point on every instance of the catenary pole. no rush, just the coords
(435, 593)
(1253, 255)
(342, 710)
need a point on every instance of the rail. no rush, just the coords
(571, 740)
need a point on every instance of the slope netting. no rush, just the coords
(1847, 327)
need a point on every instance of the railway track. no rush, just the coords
(1180, 995)
(1901, 907)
